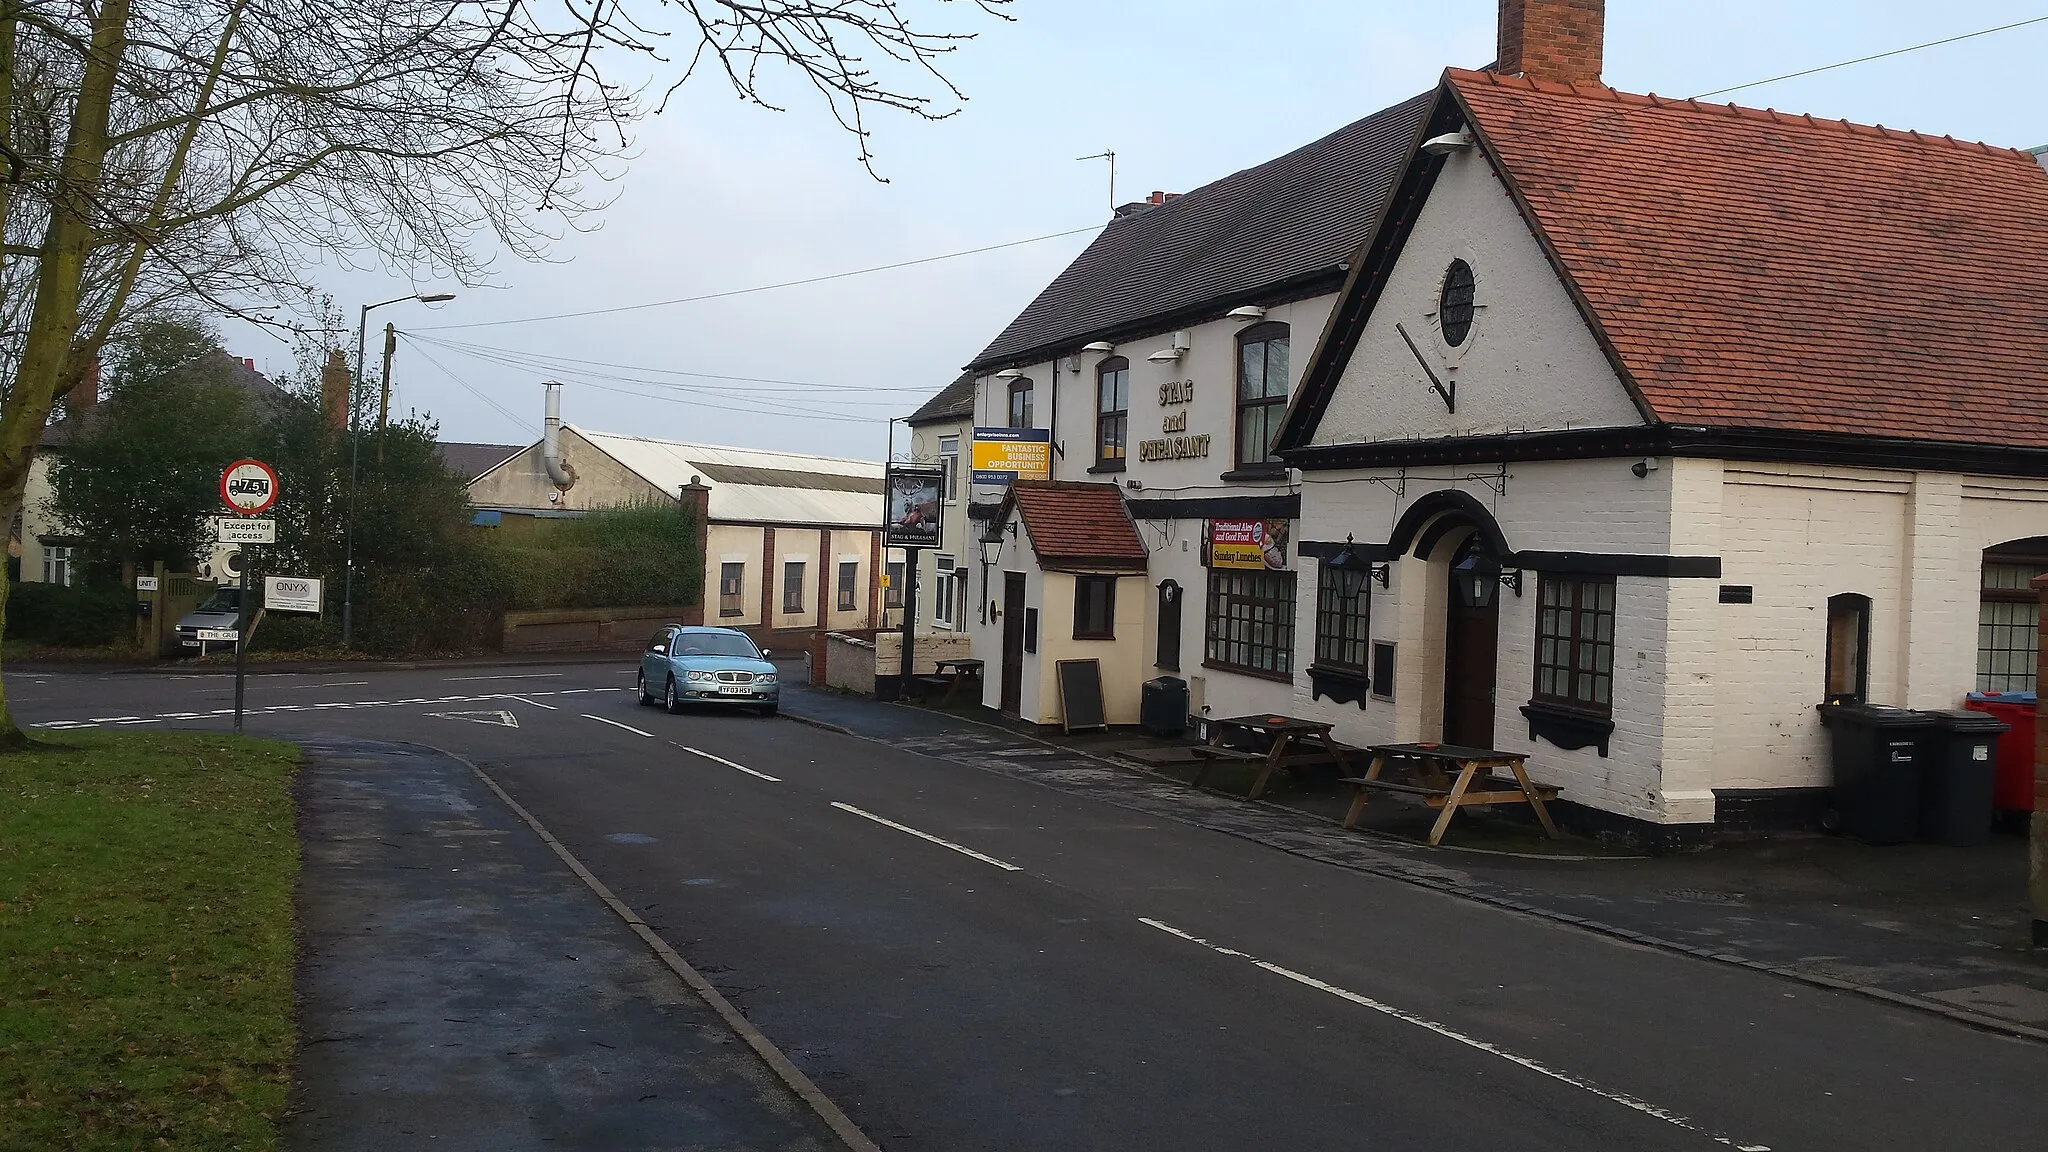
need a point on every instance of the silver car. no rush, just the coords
(717, 666)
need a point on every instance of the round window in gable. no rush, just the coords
(1454, 303)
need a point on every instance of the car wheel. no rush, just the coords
(670, 701)
(640, 687)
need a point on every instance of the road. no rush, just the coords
(965, 960)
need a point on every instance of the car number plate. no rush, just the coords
(735, 689)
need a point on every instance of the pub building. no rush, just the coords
(1615, 430)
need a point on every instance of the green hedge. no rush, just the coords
(70, 617)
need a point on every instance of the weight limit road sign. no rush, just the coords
(248, 486)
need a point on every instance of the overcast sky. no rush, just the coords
(724, 196)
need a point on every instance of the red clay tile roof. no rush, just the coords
(1077, 525)
(1759, 270)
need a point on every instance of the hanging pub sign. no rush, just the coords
(912, 505)
(1255, 544)
(1005, 454)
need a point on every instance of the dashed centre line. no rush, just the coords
(728, 763)
(961, 849)
(279, 708)
(616, 724)
(1446, 1031)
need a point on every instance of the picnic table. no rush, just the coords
(1435, 764)
(1285, 732)
(961, 669)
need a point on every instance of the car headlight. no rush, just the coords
(693, 674)
(765, 678)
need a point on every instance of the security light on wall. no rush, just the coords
(1178, 350)
(1008, 374)
(1248, 312)
(1447, 143)
(1099, 346)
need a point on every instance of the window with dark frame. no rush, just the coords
(1249, 626)
(1848, 651)
(1261, 390)
(2008, 625)
(1112, 411)
(945, 581)
(892, 597)
(1575, 643)
(849, 575)
(1455, 303)
(731, 578)
(1094, 607)
(1341, 622)
(1020, 402)
(792, 586)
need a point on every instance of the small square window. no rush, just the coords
(1094, 607)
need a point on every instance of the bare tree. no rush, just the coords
(199, 148)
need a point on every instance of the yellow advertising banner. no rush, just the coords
(1005, 454)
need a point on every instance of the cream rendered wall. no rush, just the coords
(601, 482)
(1529, 363)
(742, 544)
(794, 544)
(1123, 662)
(857, 547)
(956, 532)
(35, 522)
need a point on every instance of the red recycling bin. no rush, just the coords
(2014, 789)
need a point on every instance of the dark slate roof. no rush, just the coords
(1284, 222)
(954, 401)
(267, 397)
(470, 461)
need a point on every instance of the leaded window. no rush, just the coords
(1341, 639)
(1575, 642)
(1455, 305)
(1250, 621)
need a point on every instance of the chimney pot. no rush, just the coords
(1560, 41)
(249, 363)
(1158, 197)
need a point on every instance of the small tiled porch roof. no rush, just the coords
(1075, 526)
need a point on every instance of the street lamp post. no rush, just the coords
(355, 453)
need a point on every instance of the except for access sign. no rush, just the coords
(291, 594)
(248, 486)
(235, 530)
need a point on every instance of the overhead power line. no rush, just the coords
(766, 287)
(550, 358)
(1874, 56)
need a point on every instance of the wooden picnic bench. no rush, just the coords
(1436, 764)
(1286, 732)
(960, 670)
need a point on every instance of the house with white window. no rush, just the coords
(793, 543)
(1149, 377)
(939, 431)
(1656, 424)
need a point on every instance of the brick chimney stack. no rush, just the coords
(85, 394)
(1555, 40)
(334, 389)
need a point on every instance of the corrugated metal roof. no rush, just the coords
(750, 484)
(1287, 219)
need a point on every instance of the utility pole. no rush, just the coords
(384, 394)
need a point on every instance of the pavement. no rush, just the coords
(970, 939)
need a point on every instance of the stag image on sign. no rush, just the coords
(248, 486)
(913, 506)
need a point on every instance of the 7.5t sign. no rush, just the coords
(248, 487)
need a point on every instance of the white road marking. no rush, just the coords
(728, 763)
(1004, 865)
(119, 719)
(337, 684)
(496, 716)
(508, 676)
(616, 724)
(1446, 1031)
(149, 721)
(535, 703)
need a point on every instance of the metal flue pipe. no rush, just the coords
(562, 475)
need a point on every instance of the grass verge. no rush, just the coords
(146, 941)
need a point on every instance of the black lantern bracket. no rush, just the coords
(1511, 578)
(1496, 480)
(1384, 574)
(1398, 485)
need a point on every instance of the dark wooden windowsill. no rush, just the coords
(1107, 466)
(1248, 473)
(1255, 673)
(1568, 727)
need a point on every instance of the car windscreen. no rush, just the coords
(702, 644)
(222, 600)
